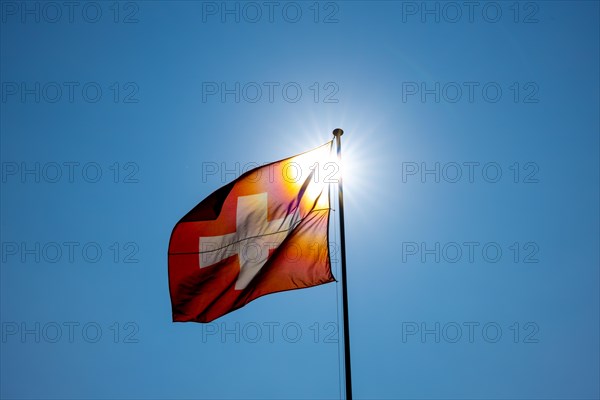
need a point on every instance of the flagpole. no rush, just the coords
(338, 134)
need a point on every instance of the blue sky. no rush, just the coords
(472, 195)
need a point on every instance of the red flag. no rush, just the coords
(265, 232)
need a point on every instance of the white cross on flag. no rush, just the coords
(265, 232)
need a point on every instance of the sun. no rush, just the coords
(310, 173)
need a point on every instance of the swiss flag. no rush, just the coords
(265, 232)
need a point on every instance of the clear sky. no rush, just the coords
(472, 192)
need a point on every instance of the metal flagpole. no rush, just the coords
(338, 134)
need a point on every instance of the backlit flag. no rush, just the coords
(265, 232)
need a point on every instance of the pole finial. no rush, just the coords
(338, 132)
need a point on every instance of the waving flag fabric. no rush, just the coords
(265, 232)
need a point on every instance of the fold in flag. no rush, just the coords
(265, 232)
